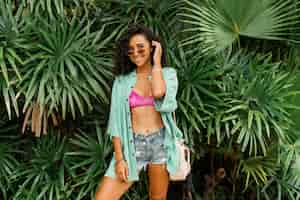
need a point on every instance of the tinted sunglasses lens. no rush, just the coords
(140, 51)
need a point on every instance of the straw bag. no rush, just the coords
(184, 166)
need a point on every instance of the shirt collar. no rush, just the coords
(133, 73)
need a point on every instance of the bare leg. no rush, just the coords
(158, 181)
(111, 189)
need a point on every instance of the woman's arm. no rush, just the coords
(158, 82)
(167, 102)
(117, 148)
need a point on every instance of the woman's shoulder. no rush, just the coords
(169, 69)
(118, 78)
(169, 72)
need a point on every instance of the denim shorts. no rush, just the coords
(149, 148)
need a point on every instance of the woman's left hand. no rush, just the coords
(157, 53)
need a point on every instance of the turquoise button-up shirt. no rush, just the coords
(119, 123)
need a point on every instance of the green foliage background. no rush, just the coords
(238, 69)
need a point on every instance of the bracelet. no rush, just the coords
(156, 69)
(118, 161)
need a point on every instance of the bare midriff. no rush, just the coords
(145, 119)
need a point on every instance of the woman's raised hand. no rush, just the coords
(157, 52)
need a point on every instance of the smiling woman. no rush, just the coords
(140, 123)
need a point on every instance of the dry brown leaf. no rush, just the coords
(27, 115)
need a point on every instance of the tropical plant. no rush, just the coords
(248, 119)
(12, 47)
(216, 25)
(160, 16)
(48, 8)
(43, 175)
(65, 70)
(257, 106)
(87, 161)
(237, 65)
(198, 92)
(9, 153)
(286, 181)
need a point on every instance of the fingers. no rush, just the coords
(123, 174)
(126, 172)
(120, 174)
(157, 45)
(155, 42)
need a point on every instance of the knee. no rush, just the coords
(98, 195)
(101, 194)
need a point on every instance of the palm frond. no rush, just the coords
(65, 70)
(216, 25)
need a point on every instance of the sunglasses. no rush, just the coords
(140, 50)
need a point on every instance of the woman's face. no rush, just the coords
(139, 50)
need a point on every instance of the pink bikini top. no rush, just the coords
(137, 100)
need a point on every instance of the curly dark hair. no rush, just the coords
(121, 61)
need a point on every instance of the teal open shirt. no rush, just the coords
(119, 123)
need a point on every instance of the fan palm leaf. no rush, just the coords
(8, 159)
(87, 161)
(44, 173)
(286, 181)
(216, 25)
(47, 8)
(12, 47)
(65, 71)
(255, 108)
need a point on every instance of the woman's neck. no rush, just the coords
(145, 69)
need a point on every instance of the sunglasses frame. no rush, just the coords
(140, 50)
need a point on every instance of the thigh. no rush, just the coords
(158, 181)
(111, 188)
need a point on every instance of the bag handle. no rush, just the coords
(174, 117)
(187, 152)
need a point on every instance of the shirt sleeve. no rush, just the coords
(168, 102)
(114, 123)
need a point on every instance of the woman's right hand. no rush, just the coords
(121, 170)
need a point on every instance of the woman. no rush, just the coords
(140, 124)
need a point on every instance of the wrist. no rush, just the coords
(118, 161)
(157, 64)
(119, 155)
(156, 68)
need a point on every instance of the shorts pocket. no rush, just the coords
(140, 149)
